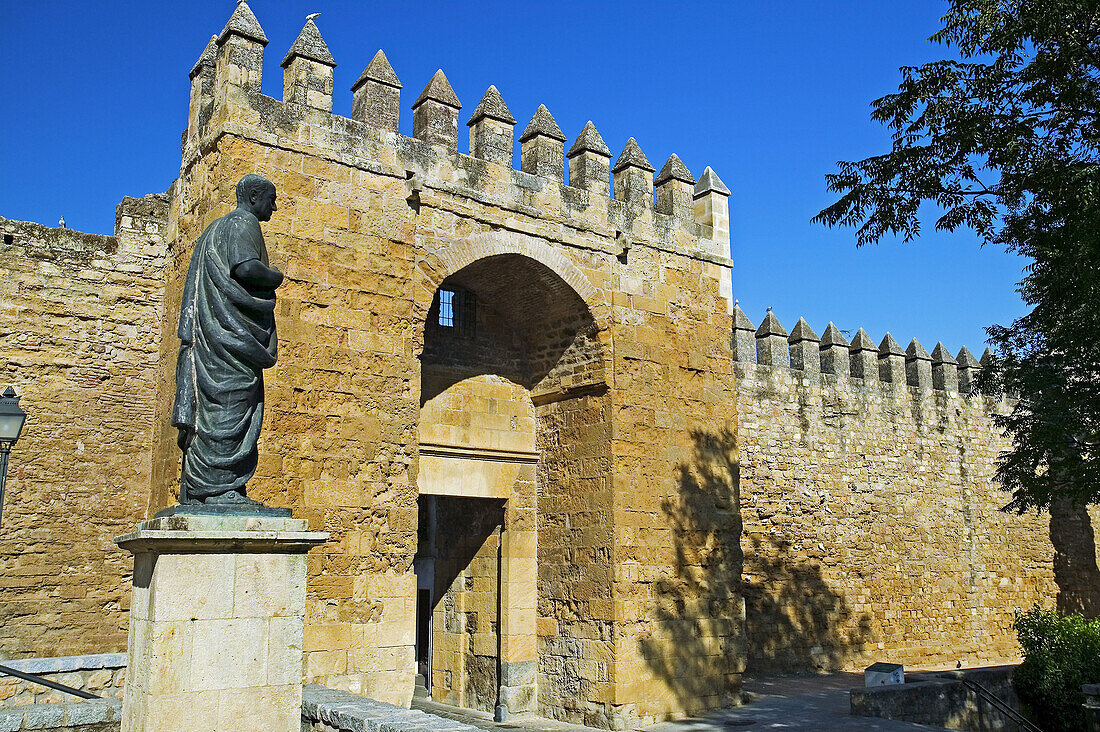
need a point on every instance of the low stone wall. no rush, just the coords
(1092, 706)
(942, 700)
(86, 715)
(28, 706)
(102, 674)
(331, 710)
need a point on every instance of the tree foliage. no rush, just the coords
(1005, 139)
(1060, 654)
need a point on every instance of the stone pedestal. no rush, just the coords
(216, 622)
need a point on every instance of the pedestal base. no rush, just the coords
(216, 623)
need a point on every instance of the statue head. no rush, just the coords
(256, 193)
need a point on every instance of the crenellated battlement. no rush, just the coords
(832, 358)
(621, 204)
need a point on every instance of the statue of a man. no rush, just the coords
(227, 338)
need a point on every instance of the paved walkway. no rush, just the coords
(793, 703)
(777, 703)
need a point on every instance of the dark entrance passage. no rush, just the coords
(458, 599)
(423, 639)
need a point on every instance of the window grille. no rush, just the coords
(458, 310)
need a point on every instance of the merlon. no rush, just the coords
(632, 157)
(674, 169)
(589, 141)
(243, 23)
(379, 70)
(309, 44)
(542, 123)
(438, 90)
(708, 182)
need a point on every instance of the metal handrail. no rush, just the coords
(36, 679)
(1001, 706)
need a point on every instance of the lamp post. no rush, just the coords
(11, 424)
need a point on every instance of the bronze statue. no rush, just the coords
(227, 338)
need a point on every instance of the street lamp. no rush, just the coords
(11, 424)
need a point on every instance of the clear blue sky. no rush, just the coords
(769, 94)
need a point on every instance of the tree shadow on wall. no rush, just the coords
(1075, 570)
(696, 644)
(702, 634)
(796, 622)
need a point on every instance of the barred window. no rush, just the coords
(457, 310)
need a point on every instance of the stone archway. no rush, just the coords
(511, 356)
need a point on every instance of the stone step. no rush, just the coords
(331, 710)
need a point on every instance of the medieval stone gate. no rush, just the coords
(490, 387)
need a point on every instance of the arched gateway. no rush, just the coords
(512, 366)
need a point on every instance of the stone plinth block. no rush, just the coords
(216, 623)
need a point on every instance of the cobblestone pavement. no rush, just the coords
(817, 703)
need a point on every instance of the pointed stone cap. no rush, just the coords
(438, 90)
(589, 141)
(674, 169)
(492, 106)
(862, 342)
(379, 70)
(889, 347)
(208, 57)
(803, 332)
(632, 157)
(542, 124)
(940, 354)
(740, 320)
(309, 44)
(770, 327)
(916, 352)
(243, 23)
(987, 356)
(833, 337)
(709, 182)
(966, 360)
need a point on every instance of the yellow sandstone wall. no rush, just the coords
(339, 440)
(873, 529)
(80, 328)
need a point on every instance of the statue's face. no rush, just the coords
(263, 204)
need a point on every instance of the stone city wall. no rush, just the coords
(80, 326)
(872, 525)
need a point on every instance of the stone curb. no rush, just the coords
(51, 716)
(62, 664)
(347, 712)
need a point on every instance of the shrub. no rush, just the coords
(1060, 654)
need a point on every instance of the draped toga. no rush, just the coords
(227, 337)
